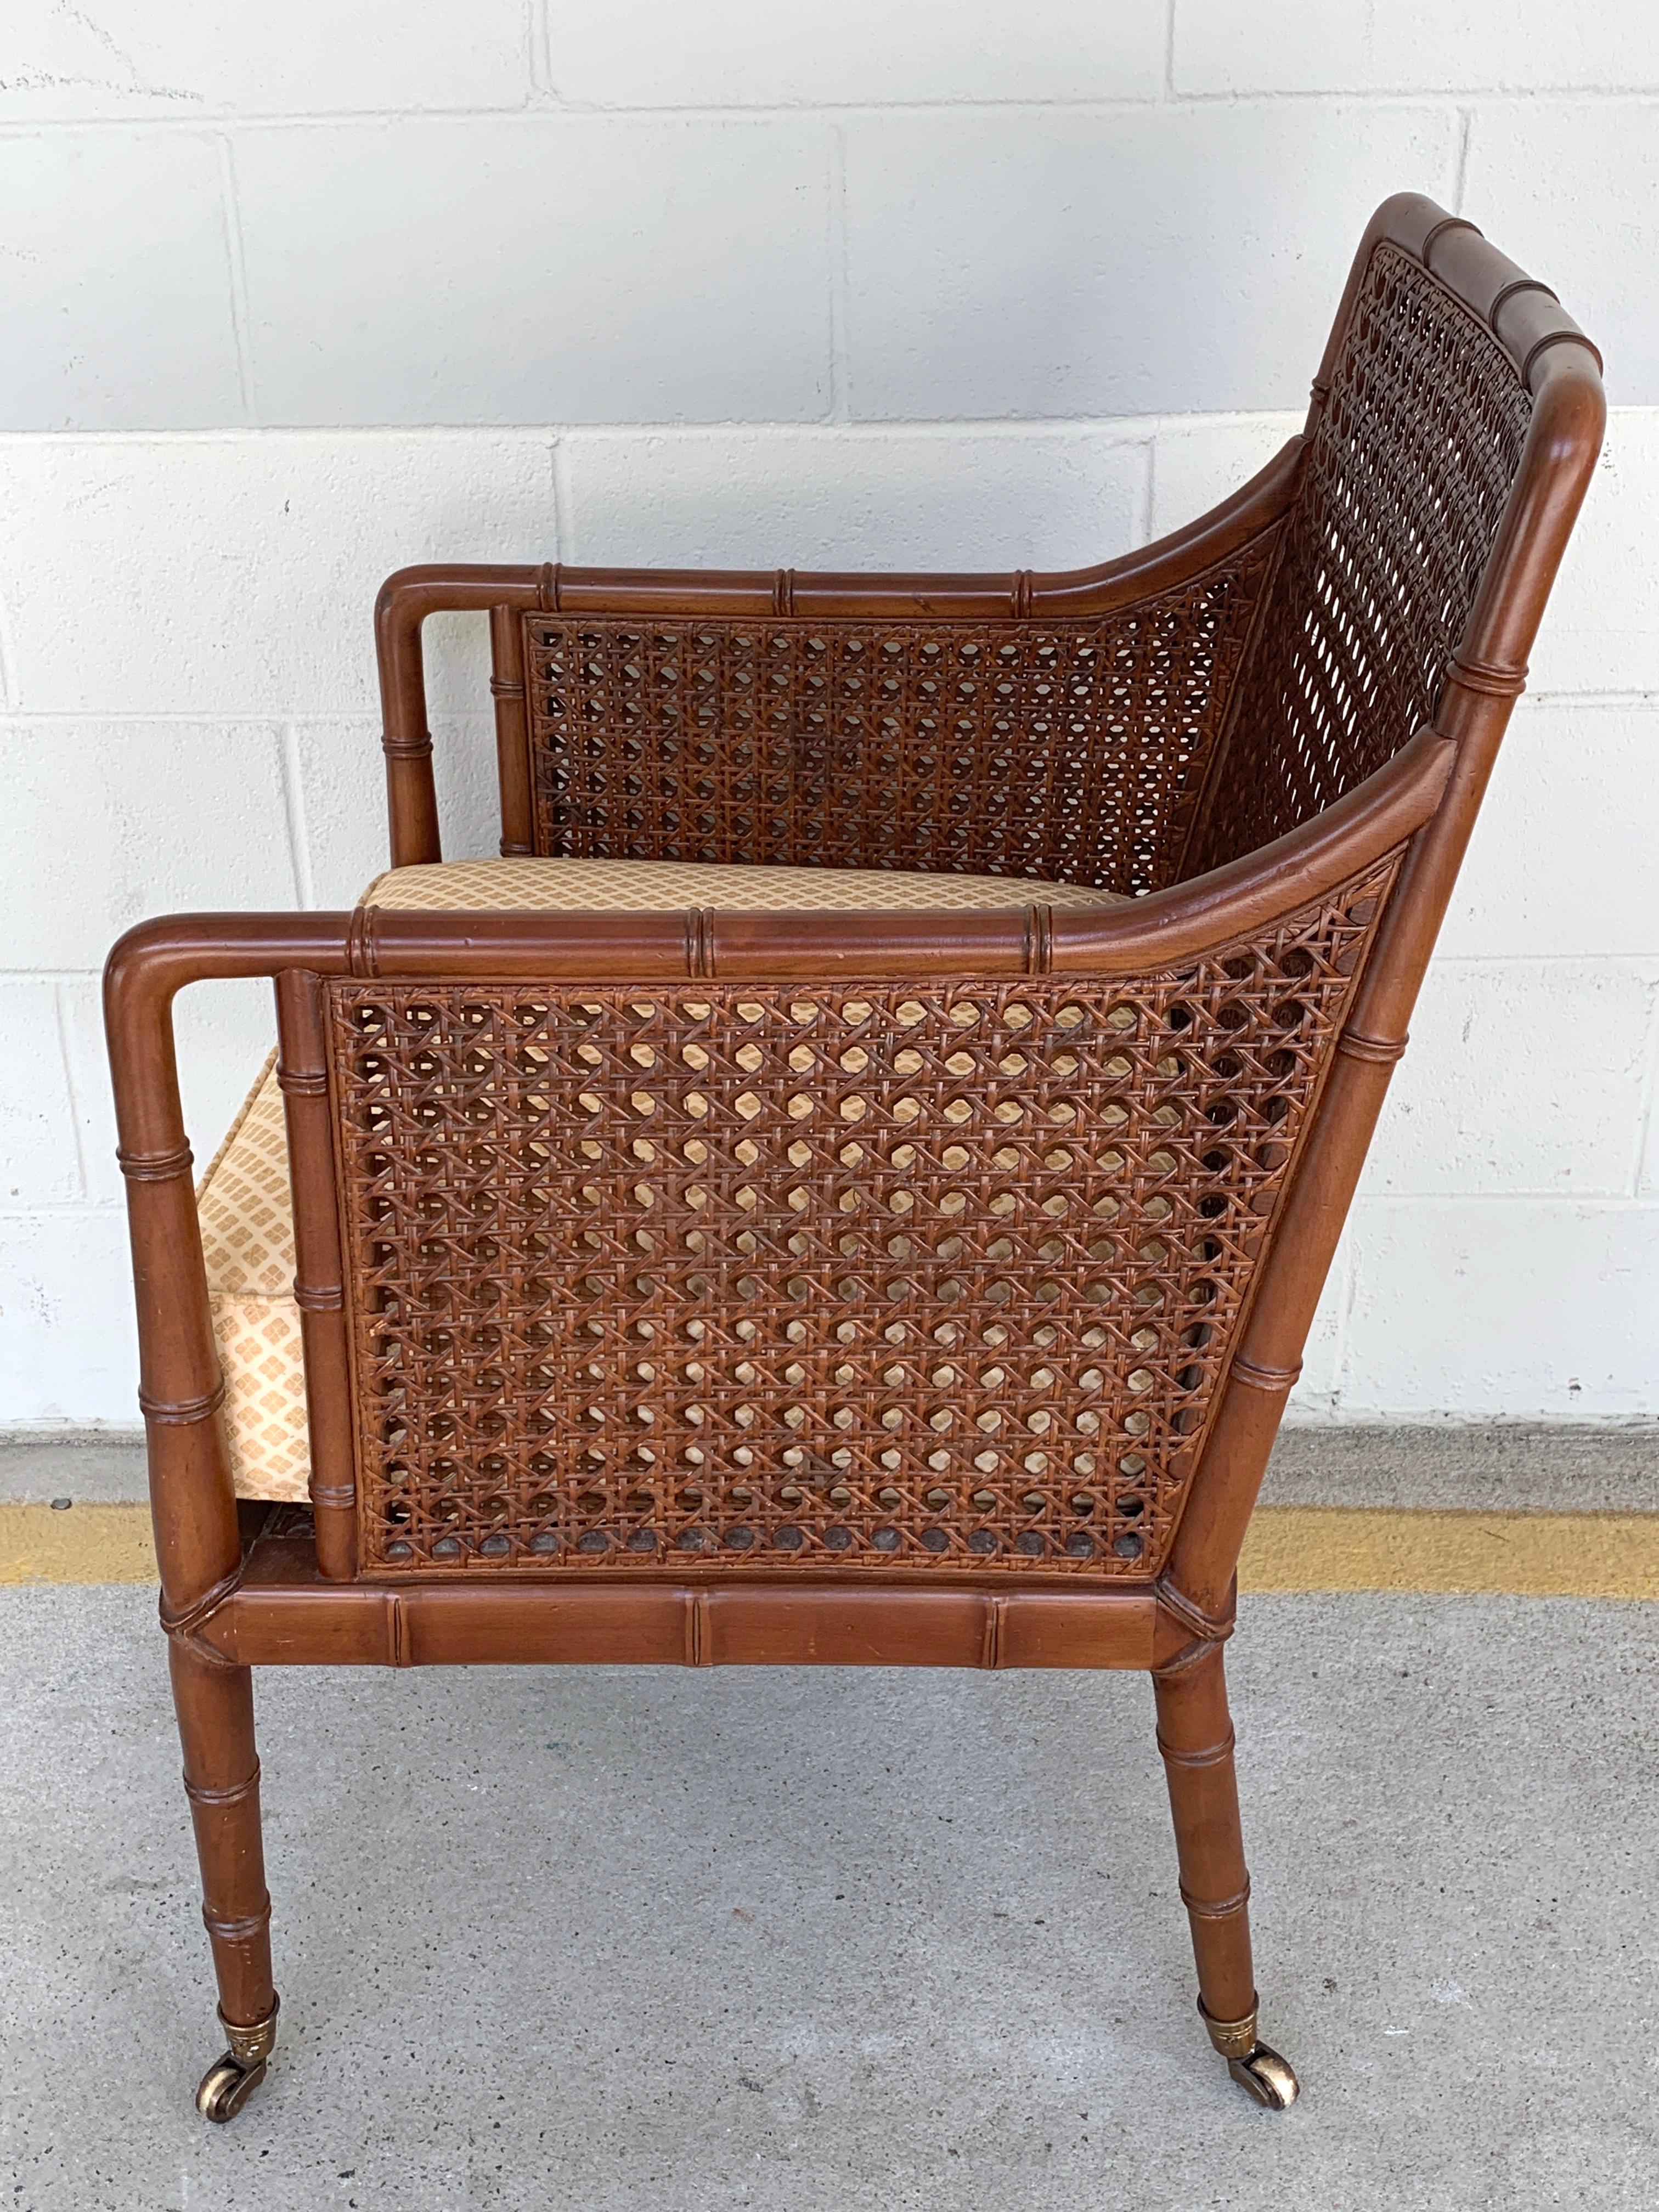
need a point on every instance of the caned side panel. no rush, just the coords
(1071, 751)
(794, 1275)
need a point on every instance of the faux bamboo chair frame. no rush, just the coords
(1259, 985)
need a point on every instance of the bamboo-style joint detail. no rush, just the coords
(234, 1793)
(1211, 1755)
(1211, 1629)
(242, 1927)
(1215, 1908)
(362, 958)
(187, 1621)
(1256, 1376)
(1438, 231)
(169, 1166)
(701, 962)
(1384, 1051)
(1490, 677)
(182, 1413)
(1039, 940)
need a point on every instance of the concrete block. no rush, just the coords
(112, 822)
(979, 498)
(342, 789)
(1317, 1389)
(559, 270)
(1647, 1177)
(39, 1161)
(115, 291)
(1199, 460)
(1144, 261)
(195, 57)
(222, 1031)
(275, 546)
(654, 53)
(1411, 45)
(68, 1347)
(1562, 857)
(1521, 1077)
(1600, 630)
(1503, 1310)
(1570, 189)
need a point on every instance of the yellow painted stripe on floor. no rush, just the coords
(87, 1544)
(1289, 1548)
(1348, 1547)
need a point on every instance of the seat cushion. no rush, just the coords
(244, 1202)
(247, 1242)
(669, 886)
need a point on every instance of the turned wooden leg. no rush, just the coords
(215, 1705)
(1195, 1736)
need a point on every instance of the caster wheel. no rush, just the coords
(1266, 2076)
(227, 2085)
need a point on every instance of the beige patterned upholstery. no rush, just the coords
(666, 886)
(248, 1231)
(247, 1241)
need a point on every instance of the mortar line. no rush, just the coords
(294, 808)
(241, 326)
(1149, 492)
(10, 703)
(1347, 1299)
(1645, 1135)
(273, 720)
(64, 1209)
(540, 56)
(82, 1174)
(1590, 1202)
(1461, 164)
(1438, 96)
(564, 501)
(840, 405)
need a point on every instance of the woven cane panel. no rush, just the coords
(1018, 749)
(790, 1275)
(1405, 483)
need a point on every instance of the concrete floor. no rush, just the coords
(848, 1940)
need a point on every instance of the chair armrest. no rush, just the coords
(1067, 716)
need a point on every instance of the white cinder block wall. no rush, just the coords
(291, 296)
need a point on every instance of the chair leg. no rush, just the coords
(1195, 1736)
(215, 1705)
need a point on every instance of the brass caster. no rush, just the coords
(232, 2079)
(1266, 2077)
(227, 2085)
(1258, 2069)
